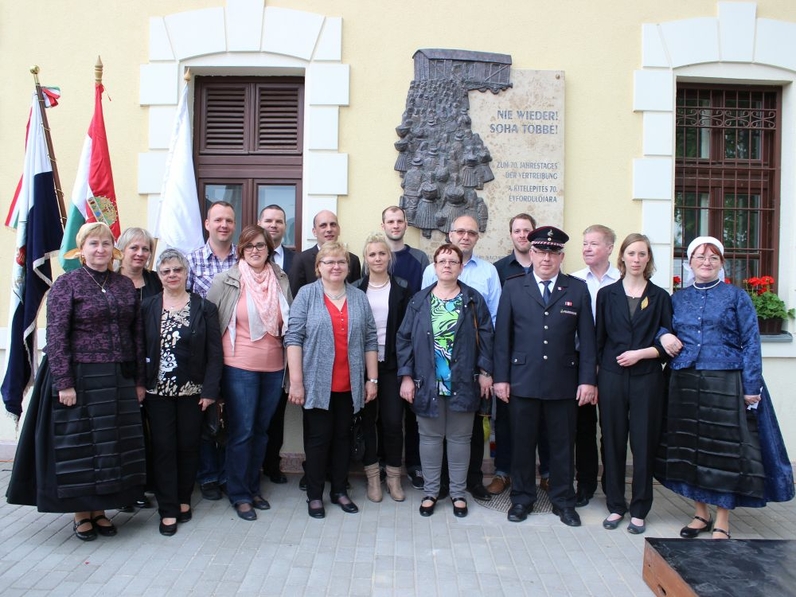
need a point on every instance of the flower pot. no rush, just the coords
(770, 327)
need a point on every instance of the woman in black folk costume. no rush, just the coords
(721, 443)
(82, 449)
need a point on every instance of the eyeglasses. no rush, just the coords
(173, 270)
(464, 232)
(333, 262)
(448, 262)
(702, 258)
(251, 247)
(549, 252)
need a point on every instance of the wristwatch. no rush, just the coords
(376, 381)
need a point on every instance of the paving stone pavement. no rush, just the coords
(386, 549)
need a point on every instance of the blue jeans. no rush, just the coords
(251, 401)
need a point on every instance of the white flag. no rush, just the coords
(179, 224)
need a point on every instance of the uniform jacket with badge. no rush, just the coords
(535, 345)
(415, 347)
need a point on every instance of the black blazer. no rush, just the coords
(535, 346)
(618, 332)
(397, 302)
(288, 259)
(206, 354)
(302, 270)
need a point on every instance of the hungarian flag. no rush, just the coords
(179, 223)
(34, 214)
(93, 196)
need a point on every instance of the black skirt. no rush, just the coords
(86, 457)
(711, 442)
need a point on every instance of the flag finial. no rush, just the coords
(187, 76)
(98, 71)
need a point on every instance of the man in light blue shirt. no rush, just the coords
(482, 276)
(476, 272)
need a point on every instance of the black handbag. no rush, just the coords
(214, 425)
(357, 438)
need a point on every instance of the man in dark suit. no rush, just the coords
(325, 228)
(539, 372)
(274, 220)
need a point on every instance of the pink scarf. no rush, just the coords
(262, 291)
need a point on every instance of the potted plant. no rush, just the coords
(770, 308)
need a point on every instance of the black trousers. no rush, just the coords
(560, 422)
(327, 439)
(587, 463)
(389, 408)
(630, 405)
(475, 476)
(276, 437)
(176, 425)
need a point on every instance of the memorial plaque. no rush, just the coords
(523, 129)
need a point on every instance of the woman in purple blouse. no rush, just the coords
(86, 400)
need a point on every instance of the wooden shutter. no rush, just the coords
(225, 117)
(278, 113)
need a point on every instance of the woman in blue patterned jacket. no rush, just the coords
(721, 434)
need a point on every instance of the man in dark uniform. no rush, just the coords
(539, 373)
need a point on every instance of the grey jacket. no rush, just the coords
(225, 293)
(310, 327)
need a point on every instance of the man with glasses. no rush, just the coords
(598, 244)
(216, 256)
(325, 228)
(539, 373)
(482, 276)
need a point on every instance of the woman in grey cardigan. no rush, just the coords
(331, 348)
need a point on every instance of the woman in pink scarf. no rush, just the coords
(253, 298)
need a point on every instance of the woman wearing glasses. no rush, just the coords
(332, 352)
(719, 432)
(444, 350)
(183, 365)
(253, 299)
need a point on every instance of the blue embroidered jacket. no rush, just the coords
(719, 331)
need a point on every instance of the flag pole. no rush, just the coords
(98, 71)
(50, 151)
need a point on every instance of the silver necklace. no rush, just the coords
(378, 286)
(334, 297)
(716, 283)
(93, 279)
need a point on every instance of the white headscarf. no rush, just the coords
(696, 243)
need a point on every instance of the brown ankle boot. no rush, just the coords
(374, 482)
(394, 483)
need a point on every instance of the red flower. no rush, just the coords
(728, 280)
(676, 280)
(767, 280)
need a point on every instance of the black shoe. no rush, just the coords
(303, 483)
(690, 532)
(416, 478)
(260, 503)
(278, 478)
(567, 515)
(345, 503)
(479, 492)
(427, 510)
(248, 515)
(88, 535)
(167, 530)
(106, 531)
(185, 516)
(459, 512)
(143, 502)
(611, 525)
(582, 498)
(316, 512)
(519, 512)
(210, 491)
